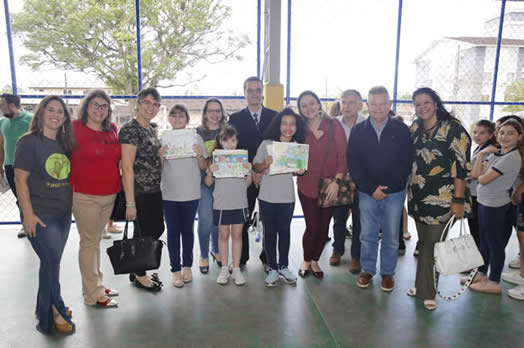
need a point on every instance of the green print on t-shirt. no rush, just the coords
(58, 166)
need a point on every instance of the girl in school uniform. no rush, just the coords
(181, 193)
(483, 136)
(277, 195)
(230, 210)
(496, 171)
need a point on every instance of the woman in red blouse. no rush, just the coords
(95, 179)
(322, 163)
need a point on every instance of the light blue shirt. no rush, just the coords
(379, 131)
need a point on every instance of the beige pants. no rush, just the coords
(91, 215)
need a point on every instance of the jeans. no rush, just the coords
(206, 229)
(340, 218)
(277, 222)
(180, 219)
(10, 175)
(495, 230)
(49, 244)
(355, 233)
(375, 215)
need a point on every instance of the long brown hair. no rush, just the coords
(64, 136)
(223, 121)
(82, 112)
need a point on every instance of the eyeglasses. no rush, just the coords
(254, 90)
(97, 106)
(150, 103)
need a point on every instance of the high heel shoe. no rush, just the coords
(215, 260)
(303, 272)
(64, 327)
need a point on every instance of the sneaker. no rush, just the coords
(287, 275)
(364, 279)
(21, 233)
(223, 276)
(272, 278)
(238, 277)
(388, 283)
(187, 274)
(406, 235)
(515, 263)
(178, 279)
(517, 293)
(513, 278)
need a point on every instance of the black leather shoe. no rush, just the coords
(303, 272)
(153, 288)
(219, 264)
(132, 277)
(318, 275)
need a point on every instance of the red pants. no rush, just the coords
(317, 227)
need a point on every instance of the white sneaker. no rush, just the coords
(515, 263)
(187, 274)
(513, 278)
(238, 277)
(178, 279)
(517, 293)
(223, 276)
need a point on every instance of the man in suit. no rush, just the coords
(251, 123)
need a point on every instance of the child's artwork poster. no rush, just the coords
(230, 163)
(179, 143)
(288, 157)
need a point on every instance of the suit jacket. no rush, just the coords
(249, 137)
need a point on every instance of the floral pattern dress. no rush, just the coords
(439, 159)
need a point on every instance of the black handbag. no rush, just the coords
(119, 208)
(138, 254)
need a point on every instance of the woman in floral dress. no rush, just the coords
(437, 189)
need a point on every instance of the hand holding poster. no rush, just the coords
(179, 143)
(230, 163)
(288, 157)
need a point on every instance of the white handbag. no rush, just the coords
(454, 256)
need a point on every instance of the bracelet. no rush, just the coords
(458, 200)
(130, 204)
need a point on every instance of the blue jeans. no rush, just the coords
(376, 215)
(49, 244)
(276, 219)
(180, 219)
(206, 229)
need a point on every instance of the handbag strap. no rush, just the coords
(136, 232)
(330, 135)
(462, 289)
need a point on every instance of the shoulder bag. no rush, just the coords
(141, 253)
(456, 255)
(346, 186)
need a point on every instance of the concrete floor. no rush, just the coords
(331, 312)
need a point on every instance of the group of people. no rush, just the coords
(64, 166)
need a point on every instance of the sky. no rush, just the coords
(336, 45)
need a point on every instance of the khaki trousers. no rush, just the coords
(91, 213)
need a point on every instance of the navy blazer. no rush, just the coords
(388, 162)
(249, 137)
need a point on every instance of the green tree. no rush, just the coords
(514, 93)
(99, 36)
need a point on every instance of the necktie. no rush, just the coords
(255, 117)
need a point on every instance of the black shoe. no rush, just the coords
(155, 279)
(132, 277)
(153, 288)
(21, 233)
(219, 264)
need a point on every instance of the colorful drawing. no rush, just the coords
(230, 163)
(179, 143)
(288, 157)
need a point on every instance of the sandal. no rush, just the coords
(430, 305)
(412, 292)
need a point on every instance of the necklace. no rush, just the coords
(430, 129)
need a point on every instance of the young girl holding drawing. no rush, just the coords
(180, 195)
(277, 195)
(229, 209)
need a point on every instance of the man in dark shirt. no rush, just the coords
(380, 157)
(251, 123)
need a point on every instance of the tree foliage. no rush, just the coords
(99, 36)
(514, 93)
